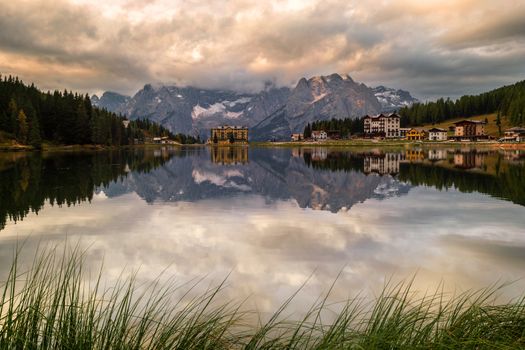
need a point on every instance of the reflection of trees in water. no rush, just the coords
(508, 184)
(66, 178)
(495, 173)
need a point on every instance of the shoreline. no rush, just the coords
(267, 144)
(76, 148)
(397, 143)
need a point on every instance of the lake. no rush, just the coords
(273, 218)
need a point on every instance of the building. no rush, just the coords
(297, 137)
(416, 134)
(229, 134)
(161, 140)
(469, 130)
(515, 134)
(437, 134)
(403, 132)
(319, 135)
(382, 125)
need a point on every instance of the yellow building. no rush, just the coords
(229, 134)
(416, 134)
(229, 155)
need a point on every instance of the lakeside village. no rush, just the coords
(379, 127)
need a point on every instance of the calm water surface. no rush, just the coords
(276, 217)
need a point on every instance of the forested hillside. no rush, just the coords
(344, 126)
(507, 101)
(31, 117)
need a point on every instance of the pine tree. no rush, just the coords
(307, 131)
(22, 130)
(498, 122)
(12, 114)
(4, 121)
(34, 138)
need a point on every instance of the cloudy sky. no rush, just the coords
(431, 48)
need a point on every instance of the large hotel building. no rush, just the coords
(382, 125)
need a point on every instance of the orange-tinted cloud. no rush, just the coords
(432, 48)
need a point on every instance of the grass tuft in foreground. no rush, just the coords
(50, 306)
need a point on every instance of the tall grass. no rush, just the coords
(52, 306)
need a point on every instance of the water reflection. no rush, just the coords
(317, 178)
(278, 217)
(229, 155)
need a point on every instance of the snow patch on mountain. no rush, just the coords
(392, 99)
(241, 100)
(199, 112)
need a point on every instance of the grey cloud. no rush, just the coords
(240, 44)
(491, 31)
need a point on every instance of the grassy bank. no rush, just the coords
(50, 307)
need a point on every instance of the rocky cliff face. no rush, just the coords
(273, 113)
(392, 99)
(326, 97)
(111, 101)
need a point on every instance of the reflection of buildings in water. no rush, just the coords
(229, 155)
(319, 154)
(437, 154)
(469, 160)
(387, 163)
(414, 155)
(316, 154)
(297, 152)
(514, 155)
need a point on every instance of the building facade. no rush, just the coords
(437, 134)
(229, 134)
(416, 134)
(319, 135)
(297, 137)
(515, 134)
(403, 132)
(382, 125)
(469, 130)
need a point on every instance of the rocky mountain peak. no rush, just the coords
(393, 99)
(272, 113)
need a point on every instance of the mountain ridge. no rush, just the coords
(274, 112)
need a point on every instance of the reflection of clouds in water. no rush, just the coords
(468, 240)
(218, 180)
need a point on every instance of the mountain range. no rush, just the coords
(273, 113)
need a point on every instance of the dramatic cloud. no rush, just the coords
(431, 48)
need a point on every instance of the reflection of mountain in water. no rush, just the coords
(329, 180)
(315, 178)
(274, 174)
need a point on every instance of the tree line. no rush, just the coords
(508, 101)
(32, 116)
(344, 126)
(28, 181)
